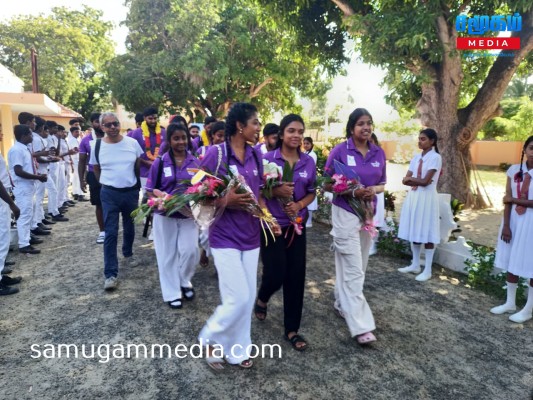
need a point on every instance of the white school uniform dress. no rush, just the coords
(5, 215)
(24, 189)
(419, 220)
(514, 257)
(75, 177)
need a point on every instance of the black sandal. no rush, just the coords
(188, 293)
(297, 339)
(258, 310)
(175, 304)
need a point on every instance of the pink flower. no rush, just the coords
(151, 202)
(340, 187)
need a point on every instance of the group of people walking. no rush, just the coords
(157, 159)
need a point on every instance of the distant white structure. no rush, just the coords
(9, 82)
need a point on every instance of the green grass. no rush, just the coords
(492, 177)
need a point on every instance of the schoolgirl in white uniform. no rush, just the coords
(419, 220)
(516, 231)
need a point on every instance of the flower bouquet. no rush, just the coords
(345, 180)
(161, 201)
(274, 176)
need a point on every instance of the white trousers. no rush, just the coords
(351, 259)
(176, 249)
(204, 241)
(24, 201)
(230, 325)
(68, 173)
(75, 181)
(38, 211)
(5, 232)
(51, 187)
(61, 182)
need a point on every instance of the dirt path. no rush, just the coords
(436, 340)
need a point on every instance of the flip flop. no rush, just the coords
(366, 338)
(297, 339)
(215, 363)
(258, 310)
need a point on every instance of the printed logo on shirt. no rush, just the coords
(303, 174)
(375, 164)
(167, 171)
(351, 161)
(255, 172)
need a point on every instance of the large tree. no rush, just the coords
(73, 48)
(415, 42)
(199, 57)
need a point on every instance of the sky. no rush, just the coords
(361, 81)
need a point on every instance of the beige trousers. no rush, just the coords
(352, 246)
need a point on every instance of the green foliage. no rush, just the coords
(322, 153)
(191, 56)
(514, 124)
(406, 125)
(480, 270)
(389, 243)
(390, 198)
(73, 47)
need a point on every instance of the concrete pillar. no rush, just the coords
(6, 121)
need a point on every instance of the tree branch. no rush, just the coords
(254, 91)
(345, 7)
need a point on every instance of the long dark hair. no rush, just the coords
(285, 122)
(353, 118)
(431, 135)
(520, 174)
(239, 112)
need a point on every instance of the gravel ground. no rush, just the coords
(436, 340)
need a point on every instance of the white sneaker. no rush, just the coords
(101, 238)
(111, 283)
(521, 316)
(504, 308)
(411, 268)
(424, 276)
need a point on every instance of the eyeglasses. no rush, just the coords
(108, 125)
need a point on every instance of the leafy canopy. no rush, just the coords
(191, 56)
(72, 46)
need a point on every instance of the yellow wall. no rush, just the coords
(483, 152)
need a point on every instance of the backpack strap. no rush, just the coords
(159, 173)
(97, 150)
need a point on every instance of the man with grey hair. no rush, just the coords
(115, 159)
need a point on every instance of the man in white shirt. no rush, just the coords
(7, 205)
(24, 174)
(116, 162)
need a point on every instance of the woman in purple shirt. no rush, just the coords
(284, 258)
(352, 244)
(175, 236)
(234, 241)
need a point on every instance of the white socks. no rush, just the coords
(415, 263)
(527, 312)
(426, 274)
(510, 304)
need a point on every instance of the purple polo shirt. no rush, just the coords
(85, 148)
(171, 176)
(304, 179)
(371, 169)
(196, 144)
(137, 134)
(236, 229)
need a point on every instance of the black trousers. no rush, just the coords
(285, 266)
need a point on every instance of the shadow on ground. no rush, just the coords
(436, 340)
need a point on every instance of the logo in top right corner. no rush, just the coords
(479, 24)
